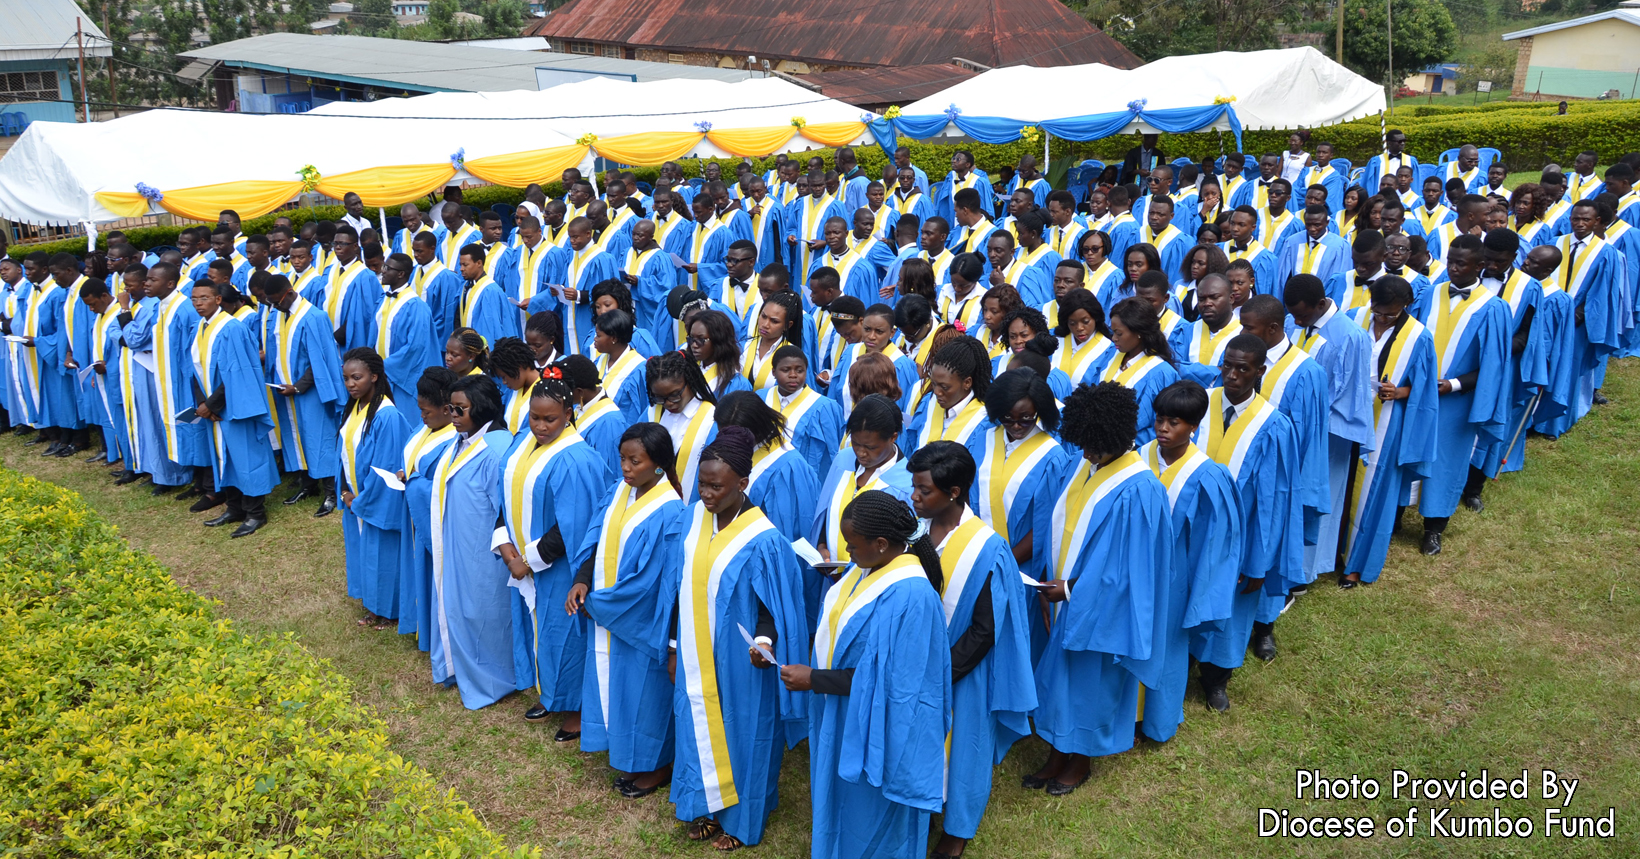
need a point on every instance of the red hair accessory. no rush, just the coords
(552, 373)
(960, 326)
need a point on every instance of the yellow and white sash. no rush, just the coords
(1229, 447)
(1207, 347)
(623, 518)
(694, 441)
(999, 479)
(958, 429)
(959, 552)
(857, 589)
(168, 308)
(1073, 511)
(1175, 476)
(336, 291)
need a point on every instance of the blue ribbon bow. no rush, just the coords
(150, 193)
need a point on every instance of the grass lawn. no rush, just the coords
(1516, 648)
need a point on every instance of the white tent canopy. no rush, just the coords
(609, 108)
(1272, 89)
(52, 173)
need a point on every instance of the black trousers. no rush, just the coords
(319, 485)
(1217, 676)
(251, 506)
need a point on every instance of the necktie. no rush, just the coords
(1229, 415)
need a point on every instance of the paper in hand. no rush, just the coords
(146, 361)
(1030, 582)
(13, 338)
(761, 650)
(806, 552)
(526, 589)
(86, 371)
(388, 478)
(677, 261)
(188, 416)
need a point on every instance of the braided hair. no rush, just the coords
(555, 385)
(1101, 419)
(732, 447)
(968, 359)
(747, 410)
(434, 386)
(793, 306)
(875, 514)
(546, 324)
(373, 363)
(579, 371)
(472, 343)
(668, 366)
(510, 358)
(657, 445)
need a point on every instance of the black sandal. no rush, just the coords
(703, 829)
(734, 843)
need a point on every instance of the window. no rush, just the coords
(678, 59)
(613, 51)
(28, 86)
(580, 48)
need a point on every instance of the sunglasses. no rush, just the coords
(1011, 421)
(455, 410)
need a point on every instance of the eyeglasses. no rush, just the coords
(672, 399)
(454, 410)
(1011, 421)
(697, 341)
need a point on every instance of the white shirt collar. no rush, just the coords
(1009, 445)
(951, 414)
(1275, 353)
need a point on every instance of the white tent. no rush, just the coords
(52, 173)
(1272, 89)
(608, 107)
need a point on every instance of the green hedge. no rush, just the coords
(134, 724)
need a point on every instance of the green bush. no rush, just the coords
(133, 723)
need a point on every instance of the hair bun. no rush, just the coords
(733, 447)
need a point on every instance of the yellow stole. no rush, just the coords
(999, 479)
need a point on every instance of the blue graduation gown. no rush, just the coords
(1328, 178)
(581, 271)
(421, 454)
(1403, 450)
(239, 438)
(1481, 328)
(1595, 287)
(836, 491)
(1344, 352)
(1145, 375)
(718, 588)
(905, 369)
(108, 387)
(148, 420)
(785, 487)
(375, 527)
(1014, 493)
(944, 193)
(1207, 536)
(483, 307)
(559, 486)
(876, 755)
(626, 693)
(403, 334)
(706, 247)
(1297, 385)
(656, 278)
(78, 324)
(991, 705)
(351, 297)
(814, 424)
(601, 424)
(806, 219)
(1261, 455)
(57, 404)
(1528, 372)
(859, 275)
(472, 643)
(1334, 257)
(1116, 559)
(300, 343)
(1265, 266)
(441, 289)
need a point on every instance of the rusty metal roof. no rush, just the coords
(846, 32)
(889, 84)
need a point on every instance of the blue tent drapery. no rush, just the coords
(997, 129)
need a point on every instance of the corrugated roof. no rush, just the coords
(1627, 16)
(428, 66)
(846, 32)
(890, 85)
(44, 30)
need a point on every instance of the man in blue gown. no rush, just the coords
(229, 394)
(309, 397)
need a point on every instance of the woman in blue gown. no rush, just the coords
(1021, 469)
(373, 517)
(987, 623)
(626, 693)
(421, 455)
(1111, 557)
(714, 346)
(814, 421)
(1404, 425)
(513, 364)
(733, 721)
(1084, 338)
(597, 417)
(551, 481)
(782, 483)
(880, 676)
(959, 374)
(472, 603)
(1143, 362)
(872, 460)
(1207, 529)
(685, 406)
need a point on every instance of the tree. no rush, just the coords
(1158, 29)
(374, 18)
(1424, 35)
(441, 19)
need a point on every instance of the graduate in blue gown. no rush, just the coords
(814, 422)
(805, 220)
(402, 332)
(737, 572)
(1404, 427)
(226, 378)
(648, 272)
(880, 691)
(422, 451)
(437, 284)
(472, 603)
(141, 315)
(551, 482)
(585, 266)
(953, 407)
(77, 323)
(1202, 342)
(1530, 348)
(375, 525)
(620, 364)
(1256, 443)
(782, 483)
(634, 536)
(13, 387)
(1472, 329)
(351, 293)
(1322, 173)
(481, 304)
(1021, 470)
(685, 406)
(707, 244)
(1110, 546)
(57, 412)
(104, 359)
(300, 358)
(1143, 362)
(1603, 312)
(987, 620)
(1207, 535)
(877, 335)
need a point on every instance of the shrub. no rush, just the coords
(133, 723)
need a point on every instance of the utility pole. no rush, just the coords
(1389, 27)
(79, 39)
(113, 93)
(1340, 51)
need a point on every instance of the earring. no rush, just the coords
(660, 471)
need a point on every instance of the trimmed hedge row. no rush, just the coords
(134, 724)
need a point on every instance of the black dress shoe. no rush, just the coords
(326, 507)
(536, 713)
(622, 783)
(250, 527)
(96, 457)
(1264, 646)
(298, 495)
(1059, 788)
(1600, 399)
(160, 490)
(1298, 590)
(1473, 502)
(1346, 584)
(1432, 543)
(564, 736)
(127, 478)
(1032, 781)
(206, 502)
(51, 450)
(1218, 699)
(632, 791)
(67, 450)
(36, 440)
(21, 429)
(224, 519)
(190, 492)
